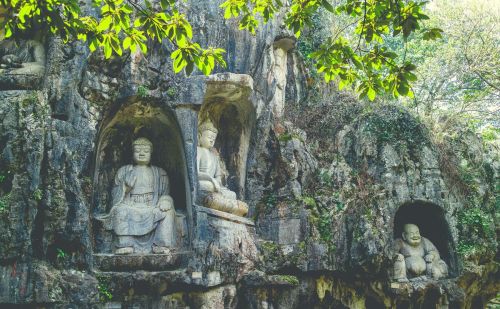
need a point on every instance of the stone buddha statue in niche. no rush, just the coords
(215, 195)
(142, 214)
(417, 257)
(23, 58)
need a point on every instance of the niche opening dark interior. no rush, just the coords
(373, 303)
(115, 150)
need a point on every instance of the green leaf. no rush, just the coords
(8, 31)
(126, 42)
(403, 88)
(164, 4)
(105, 23)
(342, 84)
(371, 93)
(227, 13)
(327, 6)
(144, 47)
(189, 68)
(410, 76)
(108, 51)
(93, 44)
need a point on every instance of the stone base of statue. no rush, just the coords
(132, 262)
(16, 81)
(141, 229)
(219, 202)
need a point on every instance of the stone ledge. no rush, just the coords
(231, 86)
(417, 286)
(225, 215)
(150, 283)
(20, 81)
(260, 279)
(132, 262)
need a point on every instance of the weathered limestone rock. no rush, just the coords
(327, 191)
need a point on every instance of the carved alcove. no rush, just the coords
(126, 122)
(432, 223)
(228, 106)
(22, 62)
(227, 103)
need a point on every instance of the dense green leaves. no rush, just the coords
(362, 63)
(457, 75)
(122, 25)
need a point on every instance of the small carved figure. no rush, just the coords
(142, 213)
(215, 195)
(400, 268)
(417, 257)
(25, 57)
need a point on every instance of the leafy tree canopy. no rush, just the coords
(366, 64)
(459, 76)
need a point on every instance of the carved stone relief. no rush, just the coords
(280, 53)
(141, 189)
(142, 215)
(225, 123)
(417, 257)
(214, 194)
(22, 64)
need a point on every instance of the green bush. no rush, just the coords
(476, 231)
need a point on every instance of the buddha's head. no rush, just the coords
(207, 133)
(142, 151)
(411, 235)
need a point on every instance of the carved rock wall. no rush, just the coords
(323, 242)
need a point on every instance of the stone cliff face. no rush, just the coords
(329, 187)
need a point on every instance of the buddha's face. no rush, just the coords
(411, 235)
(207, 139)
(142, 154)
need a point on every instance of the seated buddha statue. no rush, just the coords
(215, 195)
(142, 215)
(417, 257)
(24, 57)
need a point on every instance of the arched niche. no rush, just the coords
(228, 106)
(432, 225)
(114, 150)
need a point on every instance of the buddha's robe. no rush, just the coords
(414, 259)
(208, 163)
(135, 214)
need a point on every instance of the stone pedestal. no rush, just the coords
(20, 81)
(225, 246)
(133, 262)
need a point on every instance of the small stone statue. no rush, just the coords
(215, 195)
(417, 257)
(142, 214)
(25, 57)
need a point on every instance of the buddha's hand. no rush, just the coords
(130, 177)
(429, 258)
(165, 203)
(399, 257)
(11, 61)
(216, 185)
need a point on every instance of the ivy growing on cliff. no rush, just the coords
(365, 65)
